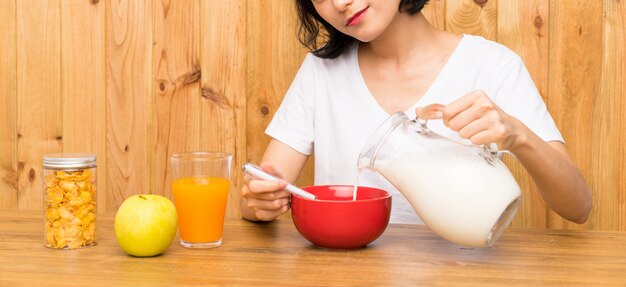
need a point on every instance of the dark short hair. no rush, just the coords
(334, 42)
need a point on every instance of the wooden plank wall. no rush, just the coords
(8, 105)
(135, 81)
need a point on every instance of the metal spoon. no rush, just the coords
(258, 173)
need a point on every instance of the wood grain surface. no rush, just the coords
(176, 71)
(83, 82)
(523, 27)
(476, 17)
(275, 254)
(575, 74)
(8, 105)
(130, 136)
(608, 139)
(39, 98)
(224, 84)
(135, 81)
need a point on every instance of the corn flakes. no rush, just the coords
(70, 209)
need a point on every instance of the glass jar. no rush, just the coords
(69, 181)
(462, 192)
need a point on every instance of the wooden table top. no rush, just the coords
(274, 254)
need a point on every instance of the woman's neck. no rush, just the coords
(405, 34)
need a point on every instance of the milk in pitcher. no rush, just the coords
(458, 196)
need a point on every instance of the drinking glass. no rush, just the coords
(200, 186)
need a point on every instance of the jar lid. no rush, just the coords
(69, 160)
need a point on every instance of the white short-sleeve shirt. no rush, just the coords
(329, 111)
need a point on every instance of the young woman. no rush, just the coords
(382, 56)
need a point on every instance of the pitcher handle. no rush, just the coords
(435, 112)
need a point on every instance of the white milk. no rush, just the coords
(356, 185)
(459, 197)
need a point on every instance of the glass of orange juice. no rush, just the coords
(200, 184)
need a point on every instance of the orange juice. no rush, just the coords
(200, 203)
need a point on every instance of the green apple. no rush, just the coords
(145, 225)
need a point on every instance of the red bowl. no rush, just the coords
(334, 220)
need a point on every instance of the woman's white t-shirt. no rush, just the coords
(329, 111)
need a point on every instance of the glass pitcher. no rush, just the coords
(462, 192)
